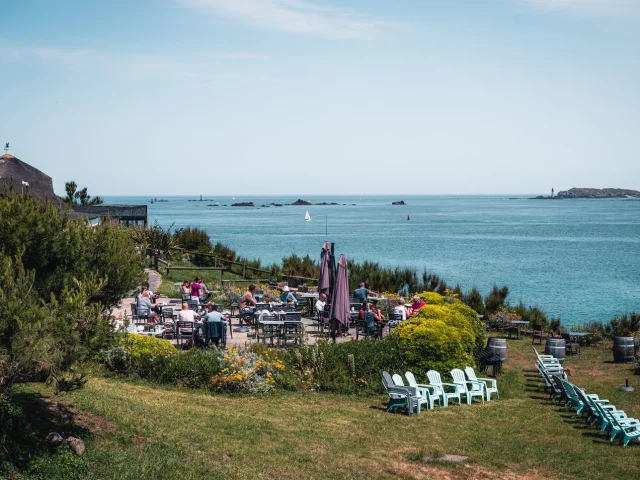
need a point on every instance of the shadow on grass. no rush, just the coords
(25, 423)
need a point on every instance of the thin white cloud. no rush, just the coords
(203, 66)
(607, 8)
(293, 16)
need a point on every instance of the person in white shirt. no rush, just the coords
(321, 302)
(400, 309)
(187, 315)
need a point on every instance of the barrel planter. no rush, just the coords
(498, 346)
(556, 347)
(623, 349)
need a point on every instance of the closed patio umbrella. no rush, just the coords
(323, 281)
(340, 302)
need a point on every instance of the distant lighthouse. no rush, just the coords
(551, 192)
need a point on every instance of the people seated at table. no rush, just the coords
(266, 298)
(186, 314)
(371, 292)
(400, 309)
(144, 308)
(361, 293)
(320, 303)
(416, 305)
(248, 301)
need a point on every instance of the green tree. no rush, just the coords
(79, 197)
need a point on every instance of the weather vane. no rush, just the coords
(6, 147)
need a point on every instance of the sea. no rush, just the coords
(576, 259)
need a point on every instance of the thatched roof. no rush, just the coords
(15, 171)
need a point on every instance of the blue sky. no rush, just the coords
(235, 97)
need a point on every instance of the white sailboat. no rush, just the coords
(307, 217)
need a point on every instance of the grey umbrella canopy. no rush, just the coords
(340, 303)
(323, 281)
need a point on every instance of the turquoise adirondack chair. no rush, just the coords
(400, 396)
(436, 381)
(490, 384)
(620, 424)
(469, 387)
(605, 412)
(427, 391)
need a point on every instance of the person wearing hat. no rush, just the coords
(286, 296)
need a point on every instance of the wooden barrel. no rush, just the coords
(498, 346)
(623, 349)
(555, 347)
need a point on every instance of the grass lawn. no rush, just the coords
(141, 431)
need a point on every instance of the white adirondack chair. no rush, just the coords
(471, 375)
(425, 391)
(467, 385)
(436, 381)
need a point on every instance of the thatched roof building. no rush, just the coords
(13, 172)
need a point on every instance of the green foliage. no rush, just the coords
(300, 266)
(23, 454)
(196, 240)
(156, 237)
(444, 334)
(61, 250)
(624, 326)
(349, 367)
(533, 315)
(41, 341)
(496, 299)
(79, 197)
(158, 361)
(473, 299)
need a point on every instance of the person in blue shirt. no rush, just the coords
(361, 293)
(286, 296)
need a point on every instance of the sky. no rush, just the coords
(240, 97)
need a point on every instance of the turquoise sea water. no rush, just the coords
(576, 259)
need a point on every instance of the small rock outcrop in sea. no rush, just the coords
(243, 204)
(399, 202)
(301, 202)
(593, 193)
(327, 203)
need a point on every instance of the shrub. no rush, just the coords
(139, 354)
(496, 299)
(60, 249)
(441, 335)
(349, 367)
(247, 372)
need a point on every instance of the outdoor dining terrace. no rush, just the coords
(274, 324)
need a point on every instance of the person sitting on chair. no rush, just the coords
(286, 295)
(400, 309)
(416, 305)
(320, 303)
(186, 288)
(361, 293)
(213, 315)
(144, 307)
(248, 301)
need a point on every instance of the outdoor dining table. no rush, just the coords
(578, 335)
(519, 324)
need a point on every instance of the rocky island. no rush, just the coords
(593, 193)
(399, 202)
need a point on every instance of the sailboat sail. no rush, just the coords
(307, 217)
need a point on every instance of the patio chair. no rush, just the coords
(215, 332)
(572, 348)
(426, 391)
(545, 359)
(538, 333)
(185, 329)
(469, 387)
(397, 380)
(628, 427)
(400, 396)
(593, 415)
(471, 375)
(488, 358)
(436, 381)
